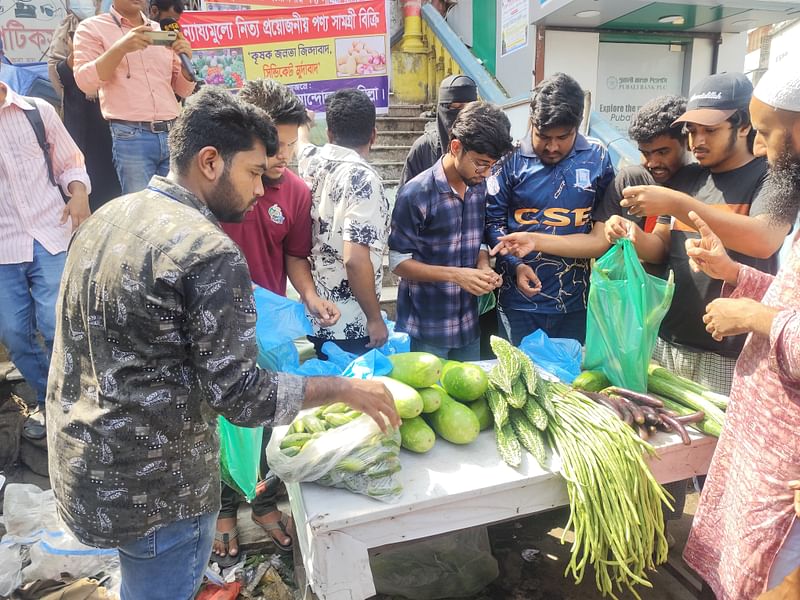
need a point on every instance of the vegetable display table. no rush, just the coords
(449, 488)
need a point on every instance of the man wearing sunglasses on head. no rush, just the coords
(539, 217)
(455, 92)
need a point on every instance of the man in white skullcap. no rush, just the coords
(745, 539)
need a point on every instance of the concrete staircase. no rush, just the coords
(396, 132)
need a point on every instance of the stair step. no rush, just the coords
(408, 110)
(389, 153)
(388, 169)
(401, 123)
(398, 137)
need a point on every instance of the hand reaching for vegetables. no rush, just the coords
(707, 254)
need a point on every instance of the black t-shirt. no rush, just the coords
(626, 177)
(737, 191)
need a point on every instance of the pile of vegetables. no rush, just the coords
(338, 447)
(518, 404)
(672, 403)
(615, 502)
(454, 410)
(616, 511)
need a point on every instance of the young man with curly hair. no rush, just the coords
(664, 150)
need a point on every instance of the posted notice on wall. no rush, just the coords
(513, 26)
(314, 49)
(629, 75)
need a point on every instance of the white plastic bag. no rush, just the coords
(60, 552)
(28, 509)
(10, 569)
(356, 456)
(32, 521)
(452, 565)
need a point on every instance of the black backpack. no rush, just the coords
(35, 119)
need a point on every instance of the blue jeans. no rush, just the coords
(471, 351)
(516, 324)
(138, 154)
(169, 562)
(28, 294)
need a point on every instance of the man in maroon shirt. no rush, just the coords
(276, 240)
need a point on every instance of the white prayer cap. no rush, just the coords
(780, 88)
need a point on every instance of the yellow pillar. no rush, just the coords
(412, 25)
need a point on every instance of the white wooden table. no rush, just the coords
(450, 488)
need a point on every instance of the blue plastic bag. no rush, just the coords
(369, 365)
(278, 323)
(276, 349)
(558, 356)
(398, 342)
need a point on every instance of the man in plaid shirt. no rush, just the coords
(436, 234)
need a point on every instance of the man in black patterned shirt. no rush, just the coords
(155, 333)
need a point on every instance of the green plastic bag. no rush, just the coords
(486, 302)
(626, 307)
(239, 456)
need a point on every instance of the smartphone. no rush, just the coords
(162, 38)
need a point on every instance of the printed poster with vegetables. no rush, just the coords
(316, 50)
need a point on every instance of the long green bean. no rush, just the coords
(615, 502)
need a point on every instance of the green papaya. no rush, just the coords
(465, 382)
(416, 435)
(407, 400)
(481, 409)
(417, 369)
(455, 422)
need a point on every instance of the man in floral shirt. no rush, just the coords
(350, 223)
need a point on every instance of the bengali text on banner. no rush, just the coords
(315, 50)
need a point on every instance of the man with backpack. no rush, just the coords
(39, 162)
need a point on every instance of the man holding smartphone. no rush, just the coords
(124, 59)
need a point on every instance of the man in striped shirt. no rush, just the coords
(35, 226)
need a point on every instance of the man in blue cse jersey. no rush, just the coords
(539, 217)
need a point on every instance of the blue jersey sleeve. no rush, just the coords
(497, 213)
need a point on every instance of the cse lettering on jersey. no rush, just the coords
(553, 216)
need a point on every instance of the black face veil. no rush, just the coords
(456, 88)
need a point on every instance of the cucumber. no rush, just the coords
(417, 369)
(416, 435)
(295, 439)
(431, 398)
(591, 381)
(455, 422)
(481, 409)
(465, 382)
(407, 400)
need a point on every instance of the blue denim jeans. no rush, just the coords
(138, 154)
(169, 562)
(516, 324)
(471, 351)
(28, 293)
